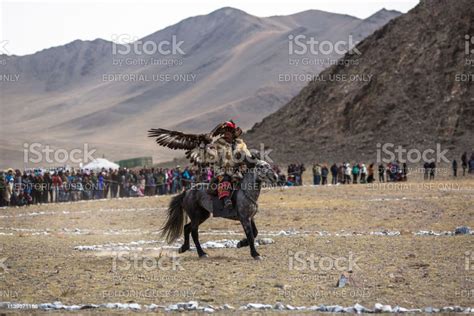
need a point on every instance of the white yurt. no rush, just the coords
(99, 163)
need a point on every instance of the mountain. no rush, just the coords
(411, 86)
(227, 64)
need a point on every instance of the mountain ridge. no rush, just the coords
(71, 95)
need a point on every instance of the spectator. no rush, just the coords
(186, 178)
(324, 174)
(9, 180)
(316, 174)
(404, 172)
(347, 173)
(471, 164)
(363, 173)
(3, 190)
(150, 184)
(334, 170)
(355, 173)
(381, 173)
(426, 173)
(341, 173)
(455, 168)
(114, 183)
(464, 163)
(370, 172)
(432, 168)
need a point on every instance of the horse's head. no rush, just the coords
(265, 173)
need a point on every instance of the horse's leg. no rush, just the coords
(254, 229)
(195, 222)
(187, 231)
(244, 242)
(247, 225)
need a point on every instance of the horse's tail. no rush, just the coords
(173, 228)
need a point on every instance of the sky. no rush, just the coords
(30, 26)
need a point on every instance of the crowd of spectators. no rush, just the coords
(345, 173)
(35, 186)
(47, 186)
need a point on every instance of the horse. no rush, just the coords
(197, 204)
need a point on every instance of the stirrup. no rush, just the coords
(228, 204)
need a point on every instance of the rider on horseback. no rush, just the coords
(227, 153)
(222, 148)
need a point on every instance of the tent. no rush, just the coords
(99, 163)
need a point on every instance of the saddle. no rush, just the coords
(218, 209)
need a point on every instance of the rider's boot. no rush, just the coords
(224, 190)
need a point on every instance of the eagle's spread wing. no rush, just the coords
(194, 144)
(178, 140)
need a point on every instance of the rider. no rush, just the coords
(228, 152)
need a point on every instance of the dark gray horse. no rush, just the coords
(197, 204)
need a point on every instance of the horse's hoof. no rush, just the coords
(181, 250)
(239, 245)
(258, 258)
(205, 255)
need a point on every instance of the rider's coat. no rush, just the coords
(226, 156)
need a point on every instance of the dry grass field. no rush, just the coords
(318, 233)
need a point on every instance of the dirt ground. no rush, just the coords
(327, 231)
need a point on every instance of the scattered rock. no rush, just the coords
(194, 306)
(399, 309)
(228, 307)
(281, 286)
(334, 309)
(259, 306)
(379, 308)
(342, 281)
(279, 306)
(265, 241)
(208, 310)
(462, 230)
(361, 309)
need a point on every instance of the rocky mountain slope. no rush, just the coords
(412, 86)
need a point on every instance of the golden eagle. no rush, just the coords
(194, 144)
